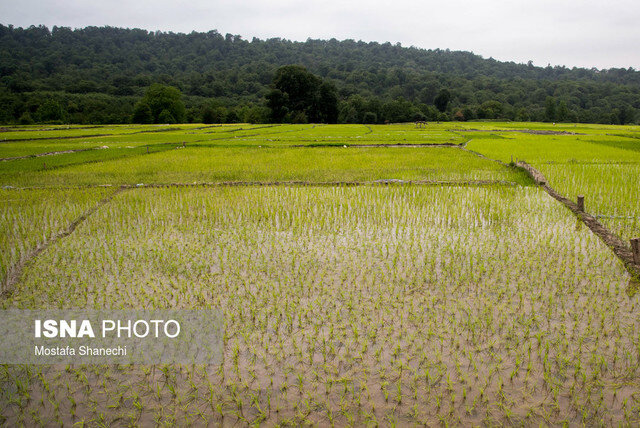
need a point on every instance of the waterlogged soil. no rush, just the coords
(613, 241)
(347, 306)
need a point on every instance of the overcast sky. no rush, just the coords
(582, 33)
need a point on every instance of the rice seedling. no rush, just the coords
(28, 218)
(395, 305)
(602, 167)
(434, 303)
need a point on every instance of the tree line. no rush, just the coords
(113, 75)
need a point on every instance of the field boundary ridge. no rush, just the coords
(613, 241)
(15, 272)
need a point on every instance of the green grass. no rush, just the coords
(73, 132)
(56, 139)
(537, 149)
(206, 164)
(26, 167)
(354, 304)
(344, 305)
(603, 165)
(612, 192)
(31, 217)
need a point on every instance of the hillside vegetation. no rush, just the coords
(96, 75)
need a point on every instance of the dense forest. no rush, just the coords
(100, 75)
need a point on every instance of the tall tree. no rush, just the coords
(442, 100)
(297, 95)
(164, 102)
(550, 109)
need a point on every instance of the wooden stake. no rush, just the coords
(581, 203)
(635, 249)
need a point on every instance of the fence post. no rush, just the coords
(635, 249)
(580, 203)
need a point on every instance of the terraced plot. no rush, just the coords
(349, 305)
(402, 285)
(603, 168)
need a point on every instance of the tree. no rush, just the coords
(522, 115)
(490, 110)
(160, 98)
(562, 112)
(277, 102)
(370, 117)
(626, 115)
(165, 116)
(208, 115)
(25, 119)
(550, 109)
(213, 114)
(398, 111)
(468, 113)
(38, 64)
(142, 113)
(442, 100)
(51, 111)
(327, 107)
(232, 117)
(298, 95)
(255, 114)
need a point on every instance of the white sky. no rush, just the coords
(582, 33)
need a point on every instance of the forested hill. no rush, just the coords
(97, 75)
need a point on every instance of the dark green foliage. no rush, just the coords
(277, 102)
(208, 116)
(25, 119)
(442, 100)
(165, 104)
(490, 110)
(562, 112)
(298, 96)
(327, 103)
(626, 114)
(255, 114)
(97, 75)
(50, 111)
(468, 114)
(399, 110)
(232, 117)
(370, 117)
(550, 109)
(165, 116)
(142, 113)
(213, 114)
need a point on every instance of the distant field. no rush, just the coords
(424, 283)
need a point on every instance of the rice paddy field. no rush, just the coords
(380, 275)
